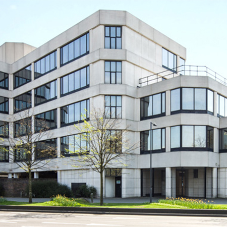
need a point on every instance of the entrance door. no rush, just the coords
(117, 186)
(181, 183)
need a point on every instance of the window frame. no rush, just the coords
(181, 110)
(110, 72)
(36, 96)
(5, 153)
(5, 80)
(28, 102)
(193, 148)
(109, 116)
(17, 76)
(72, 42)
(168, 61)
(46, 71)
(115, 37)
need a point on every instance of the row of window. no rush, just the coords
(184, 137)
(70, 145)
(182, 100)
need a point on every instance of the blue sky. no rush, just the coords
(198, 25)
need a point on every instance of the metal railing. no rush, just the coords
(184, 70)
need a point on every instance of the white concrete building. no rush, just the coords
(114, 61)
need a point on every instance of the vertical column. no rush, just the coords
(15, 175)
(10, 175)
(10, 82)
(58, 147)
(58, 88)
(58, 58)
(215, 182)
(36, 175)
(11, 106)
(33, 98)
(173, 182)
(58, 117)
(167, 102)
(168, 182)
(168, 139)
(215, 104)
(216, 140)
(33, 71)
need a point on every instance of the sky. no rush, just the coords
(198, 25)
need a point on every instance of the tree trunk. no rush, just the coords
(30, 185)
(101, 188)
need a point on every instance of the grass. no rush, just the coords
(179, 203)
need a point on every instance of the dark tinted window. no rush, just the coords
(22, 102)
(22, 77)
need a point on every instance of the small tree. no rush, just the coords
(26, 147)
(100, 144)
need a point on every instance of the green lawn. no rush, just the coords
(180, 203)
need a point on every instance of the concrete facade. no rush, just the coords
(192, 173)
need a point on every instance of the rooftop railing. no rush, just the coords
(184, 70)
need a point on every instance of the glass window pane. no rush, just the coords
(156, 139)
(107, 100)
(71, 81)
(175, 137)
(113, 43)
(65, 84)
(113, 75)
(113, 100)
(188, 99)
(200, 98)
(107, 77)
(118, 75)
(222, 106)
(118, 100)
(163, 102)
(71, 113)
(175, 100)
(47, 58)
(210, 104)
(107, 42)
(107, 66)
(157, 104)
(163, 138)
(171, 61)
(65, 57)
(83, 109)
(77, 48)
(164, 57)
(77, 111)
(77, 79)
(187, 136)
(83, 45)
(83, 77)
(118, 43)
(71, 51)
(200, 136)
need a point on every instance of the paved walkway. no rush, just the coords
(119, 200)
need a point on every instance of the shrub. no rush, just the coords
(64, 201)
(3, 200)
(85, 191)
(47, 189)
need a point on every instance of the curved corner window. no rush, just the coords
(152, 106)
(221, 106)
(154, 140)
(192, 100)
(191, 137)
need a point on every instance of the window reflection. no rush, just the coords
(153, 105)
(169, 60)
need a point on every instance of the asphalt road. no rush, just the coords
(35, 219)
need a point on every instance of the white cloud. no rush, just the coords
(13, 7)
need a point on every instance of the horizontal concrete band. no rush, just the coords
(120, 211)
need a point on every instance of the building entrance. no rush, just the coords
(181, 183)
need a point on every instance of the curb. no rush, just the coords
(119, 211)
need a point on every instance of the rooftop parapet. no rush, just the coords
(183, 70)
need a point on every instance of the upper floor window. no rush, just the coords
(22, 77)
(46, 120)
(182, 66)
(4, 105)
(73, 144)
(113, 71)
(191, 137)
(22, 127)
(75, 81)
(4, 154)
(114, 141)
(75, 112)
(4, 81)
(154, 140)
(192, 100)
(22, 102)
(75, 49)
(4, 129)
(113, 37)
(113, 106)
(46, 64)
(221, 106)
(46, 92)
(223, 140)
(169, 60)
(152, 106)
(46, 149)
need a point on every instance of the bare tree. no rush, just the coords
(100, 144)
(27, 145)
